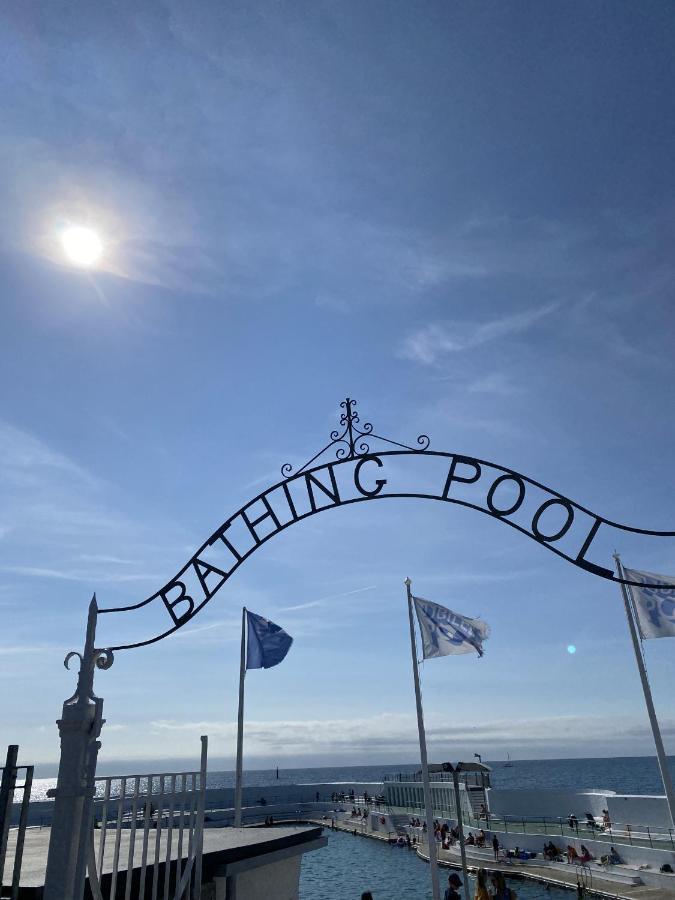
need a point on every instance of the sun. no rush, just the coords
(81, 245)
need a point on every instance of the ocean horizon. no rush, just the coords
(622, 774)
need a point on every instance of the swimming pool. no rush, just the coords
(352, 864)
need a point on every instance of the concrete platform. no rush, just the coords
(228, 853)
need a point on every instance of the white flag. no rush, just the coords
(445, 632)
(655, 607)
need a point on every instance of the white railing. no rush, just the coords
(8, 787)
(148, 832)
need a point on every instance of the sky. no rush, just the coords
(459, 213)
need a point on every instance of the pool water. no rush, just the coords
(351, 864)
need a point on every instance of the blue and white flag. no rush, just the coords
(445, 632)
(267, 643)
(654, 607)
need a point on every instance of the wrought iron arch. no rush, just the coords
(353, 471)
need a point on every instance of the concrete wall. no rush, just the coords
(280, 880)
(624, 808)
(538, 803)
(636, 810)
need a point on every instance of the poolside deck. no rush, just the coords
(223, 849)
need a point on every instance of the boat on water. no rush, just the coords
(508, 764)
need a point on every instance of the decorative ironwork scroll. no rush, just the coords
(351, 469)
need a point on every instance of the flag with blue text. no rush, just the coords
(445, 633)
(267, 643)
(654, 607)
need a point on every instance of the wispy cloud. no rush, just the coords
(301, 606)
(323, 600)
(388, 734)
(497, 383)
(20, 649)
(435, 340)
(90, 577)
(24, 457)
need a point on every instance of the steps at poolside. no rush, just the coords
(400, 823)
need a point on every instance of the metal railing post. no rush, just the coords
(6, 798)
(21, 832)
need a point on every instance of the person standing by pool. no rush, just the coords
(482, 892)
(495, 847)
(454, 882)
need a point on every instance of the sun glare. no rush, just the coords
(81, 245)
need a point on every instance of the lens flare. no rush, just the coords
(571, 649)
(81, 245)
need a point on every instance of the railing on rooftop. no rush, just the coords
(416, 777)
(471, 779)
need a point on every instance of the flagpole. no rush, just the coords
(240, 725)
(639, 658)
(431, 839)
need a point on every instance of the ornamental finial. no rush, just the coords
(352, 440)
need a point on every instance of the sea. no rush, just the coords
(623, 774)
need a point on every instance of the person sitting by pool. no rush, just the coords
(572, 855)
(480, 838)
(586, 855)
(573, 822)
(590, 821)
(614, 858)
(606, 821)
(470, 840)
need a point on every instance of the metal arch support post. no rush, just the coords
(79, 728)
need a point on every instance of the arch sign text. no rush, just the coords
(356, 472)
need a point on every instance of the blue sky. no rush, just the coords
(460, 214)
